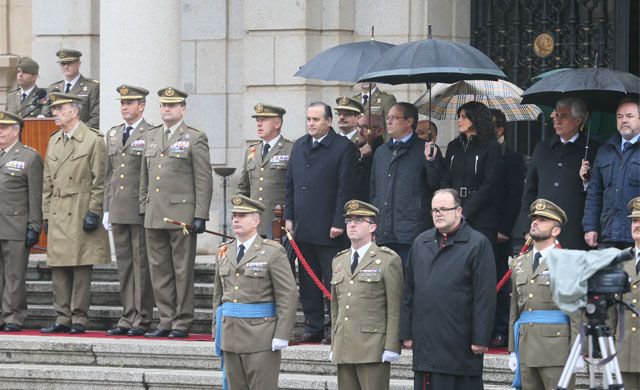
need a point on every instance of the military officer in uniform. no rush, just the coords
(265, 164)
(629, 353)
(125, 145)
(366, 288)
(76, 84)
(20, 218)
(255, 300)
(175, 182)
(24, 100)
(72, 200)
(540, 335)
(348, 112)
(380, 102)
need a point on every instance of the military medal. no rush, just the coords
(252, 153)
(222, 251)
(378, 261)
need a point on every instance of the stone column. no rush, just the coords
(140, 44)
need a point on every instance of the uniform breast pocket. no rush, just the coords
(369, 284)
(543, 290)
(223, 273)
(258, 278)
(605, 167)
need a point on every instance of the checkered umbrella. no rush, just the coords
(502, 95)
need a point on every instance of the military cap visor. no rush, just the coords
(547, 209)
(348, 104)
(8, 118)
(358, 208)
(172, 95)
(634, 208)
(68, 55)
(130, 92)
(268, 111)
(243, 204)
(58, 99)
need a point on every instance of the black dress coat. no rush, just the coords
(318, 184)
(449, 301)
(509, 190)
(553, 174)
(364, 171)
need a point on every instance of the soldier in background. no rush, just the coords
(265, 164)
(364, 348)
(20, 218)
(175, 182)
(72, 200)
(348, 111)
(125, 145)
(76, 84)
(380, 102)
(24, 100)
(427, 130)
(255, 301)
(539, 350)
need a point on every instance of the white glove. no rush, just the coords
(105, 221)
(579, 365)
(390, 356)
(513, 361)
(278, 344)
(330, 356)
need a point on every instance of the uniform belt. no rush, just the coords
(70, 191)
(465, 192)
(238, 310)
(533, 317)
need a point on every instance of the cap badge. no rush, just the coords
(124, 90)
(236, 201)
(53, 98)
(1, 115)
(540, 206)
(344, 101)
(63, 54)
(259, 108)
(353, 206)
(169, 92)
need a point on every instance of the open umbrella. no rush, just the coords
(600, 88)
(346, 62)
(502, 95)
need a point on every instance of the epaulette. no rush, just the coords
(57, 82)
(54, 133)
(385, 249)
(272, 243)
(193, 128)
(95, 131)
(255, 143)
(116, 126)
(343, 251)
(29, 148)
(95, 81)
(512, 260)
(15, 90)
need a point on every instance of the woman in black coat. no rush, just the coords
(470, 167)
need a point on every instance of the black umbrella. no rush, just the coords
(346, 62)
(600, 88)
(432, 60)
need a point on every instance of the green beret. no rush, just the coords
(27, 65)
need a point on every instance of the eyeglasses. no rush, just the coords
(356, 220)
(393, 117)
(442, 210)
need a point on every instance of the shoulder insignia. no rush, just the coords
(272, 243)
(15, 90)
(57, 82)
(385, 249)
(255, 143)
(95, 81)
(95, 130)
(342, 252)
(29, 148)
(193, 128)
(116, 126)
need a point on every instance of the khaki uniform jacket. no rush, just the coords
(21, 192)
(365, 309)
(264, 180)
(175, 178)
(541, 345)
(381, 102)
(122, 175)
(89, 90)
(73, 185)
(263, 275)
(629, 353)
(20, 108)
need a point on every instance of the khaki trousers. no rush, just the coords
(631, 380)
(136, 292)
(542, 377)
(252, 371)
(364, 376)
(14, 256)
(172, 256)
(71, 293)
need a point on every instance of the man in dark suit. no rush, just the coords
(320, 180)
(507, 200)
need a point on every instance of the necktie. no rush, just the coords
(65, 138)
(536, 261)
(365, 98)
(315, 144)
(626, 146)
(67, 88)
(265, 150)
(22, 97)
(240, 253)
(354, 263)
(126, 134)
(167, 135)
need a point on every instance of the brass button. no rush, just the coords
(347, 319)
(346, 307)
(161, 154)
(635, 287)
(184, 200)
(122, 187)
(261, 169)
(532, 281)
(530, 295)
(260, 189)
(235, 287)
(634, 301)
(633, 315)
(123, 154)
(375, 329)
(157, 177)
(368, 280)
(122, 165)
(351, 282)
(235, 301)
(159, 165)
(157, 189)
(348, 294)
(237, 273)
(260, 199)
(262, 178)
(634, 329)
(530, 309)
(122, 176)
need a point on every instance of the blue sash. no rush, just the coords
(238, 310)
(533, 317)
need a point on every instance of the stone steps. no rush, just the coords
(35, 362)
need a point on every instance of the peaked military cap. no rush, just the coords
(172, 95)
(59, 98)
(8, 118)
(360, 209)
(131, 92)
(68, 55)
(349, 104)
(547, 209)
(244, 204)
(267, 110)
(28, 65)
(634, 208)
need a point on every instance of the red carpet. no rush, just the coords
(103, 335)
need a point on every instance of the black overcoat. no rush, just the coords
(553, 174)
(449, 301)
(319, 182)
